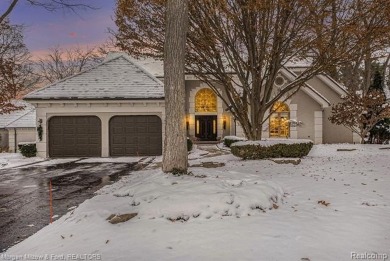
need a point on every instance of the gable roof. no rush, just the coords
(28, 120)
(117, 78)
(24, 118)
(308, 89)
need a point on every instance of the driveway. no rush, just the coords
(24, 193)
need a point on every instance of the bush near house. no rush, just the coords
(271, 149)
(28, 149)
(189, 144)
(229, 140)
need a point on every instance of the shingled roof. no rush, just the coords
(23, 118)
(117, 78)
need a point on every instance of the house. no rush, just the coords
(17, 126)
(117, 109)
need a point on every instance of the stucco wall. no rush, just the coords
(3, 139)
(22, 135)
(331, 133)
(306, 107)
(335, 133)
(105, 110)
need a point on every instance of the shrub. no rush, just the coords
(229, 140)
(261, 150)
(28, 150)
(189, 144)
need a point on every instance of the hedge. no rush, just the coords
(229, 140)
(28, 149)
(247, 150)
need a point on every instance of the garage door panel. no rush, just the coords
(135, 135)
(74, 136)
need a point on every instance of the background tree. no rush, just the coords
(50, 5)
(15, 68)
(356, 74)
(380, 133)
(16, 72)
(60, 63)
(241, 45)
(360, 112)
(175, 156)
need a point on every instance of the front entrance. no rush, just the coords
(206, 127)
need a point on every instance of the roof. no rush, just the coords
(117, 78)
(308, 89)
(24, 118)
(155, 67)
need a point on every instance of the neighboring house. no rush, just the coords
(17, 126)
(117, 109)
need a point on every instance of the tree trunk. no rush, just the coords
(175, 156)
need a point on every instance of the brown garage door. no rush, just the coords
(135, 136)
(75, 136)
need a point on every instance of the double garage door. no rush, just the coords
(81, 136)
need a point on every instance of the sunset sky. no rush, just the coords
(64, 28)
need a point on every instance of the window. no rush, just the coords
(279, 120)
(205, 101)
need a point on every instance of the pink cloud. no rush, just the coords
(72, 34)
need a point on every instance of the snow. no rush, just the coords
(331, 205)
(10, 160)
(271, 142)
(116, 78)
(234, 138)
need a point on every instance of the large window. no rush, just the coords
(279, 120)
(205, 101)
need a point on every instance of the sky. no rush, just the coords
(64, 28)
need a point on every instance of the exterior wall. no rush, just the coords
(3, 139)
(336, 133)
(192, 87)
(307, 111)
(22, 135)
(102, 109)
(331, 133)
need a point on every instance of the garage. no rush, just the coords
(139, 135)
(75, 136)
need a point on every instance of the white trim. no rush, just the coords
(318, 128)
(294, 115)
(309, 90)
(332, 83)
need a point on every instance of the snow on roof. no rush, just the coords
(25, 115)
(118, 77)
(155, 67)
(28, 120)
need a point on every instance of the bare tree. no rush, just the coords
(356, 74)
(242, 45)
(16, 76)
(60, 63)
(360, 112)
(175, 157)
(50, 5)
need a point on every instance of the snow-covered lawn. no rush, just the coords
(332, 205)
(10, 160)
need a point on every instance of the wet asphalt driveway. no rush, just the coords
(24, 193)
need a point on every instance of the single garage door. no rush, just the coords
(135, 136)
(75, 136)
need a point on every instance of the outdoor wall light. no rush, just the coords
(224, 122)
(187, 122)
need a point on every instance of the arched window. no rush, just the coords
(205, 101)
(279, 120)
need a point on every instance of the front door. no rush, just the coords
(206, 127)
